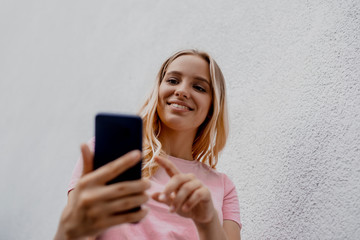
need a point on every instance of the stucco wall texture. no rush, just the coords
(293, 82)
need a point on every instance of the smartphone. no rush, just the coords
(116, 135)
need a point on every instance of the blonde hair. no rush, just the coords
(211, 136)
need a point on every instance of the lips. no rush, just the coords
(180, 105)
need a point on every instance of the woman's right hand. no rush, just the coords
(94, 206)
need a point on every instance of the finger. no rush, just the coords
(119, 190)
(126, 203)
(160, 197)
(176, 182)
(184, 193)
(156, 197)
(169, 167)
(117, 206)
(109, 171)
(131, 217)
(88, 158)
(129, 187)
(98, 225)
(198, 195)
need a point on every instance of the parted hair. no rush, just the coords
(211, 135)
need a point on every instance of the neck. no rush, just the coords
(177, 143)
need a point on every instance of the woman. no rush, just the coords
(185, 128)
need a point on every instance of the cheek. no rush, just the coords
(161, 95)
(205, 106)
(163, 92)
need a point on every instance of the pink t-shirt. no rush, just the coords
(160, 223)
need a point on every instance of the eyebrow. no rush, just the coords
(196, 77)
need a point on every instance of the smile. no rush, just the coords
(180, 107)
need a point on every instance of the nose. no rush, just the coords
(182, 91)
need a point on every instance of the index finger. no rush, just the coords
(169, 167)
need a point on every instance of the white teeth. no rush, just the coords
(179, 106)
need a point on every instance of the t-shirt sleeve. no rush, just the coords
(78, 169)
(231, 209)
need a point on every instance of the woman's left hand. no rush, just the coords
(185, 194)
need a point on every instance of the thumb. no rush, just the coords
(162, 198)
(88, 158)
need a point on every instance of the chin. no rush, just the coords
(178, 123)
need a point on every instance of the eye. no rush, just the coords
(172, 81)
(199, 88)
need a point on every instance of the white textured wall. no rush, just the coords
(293, 78)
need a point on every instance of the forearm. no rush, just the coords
(211, 230)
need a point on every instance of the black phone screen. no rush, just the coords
(116, 135)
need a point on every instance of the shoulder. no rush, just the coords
(213, 170)
(228, 184)
(215, 174)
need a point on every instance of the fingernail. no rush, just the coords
(172, 195)
(135, 154)
(162, 197)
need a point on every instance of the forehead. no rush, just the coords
(192, 65)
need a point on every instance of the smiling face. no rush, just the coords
(185, 93)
